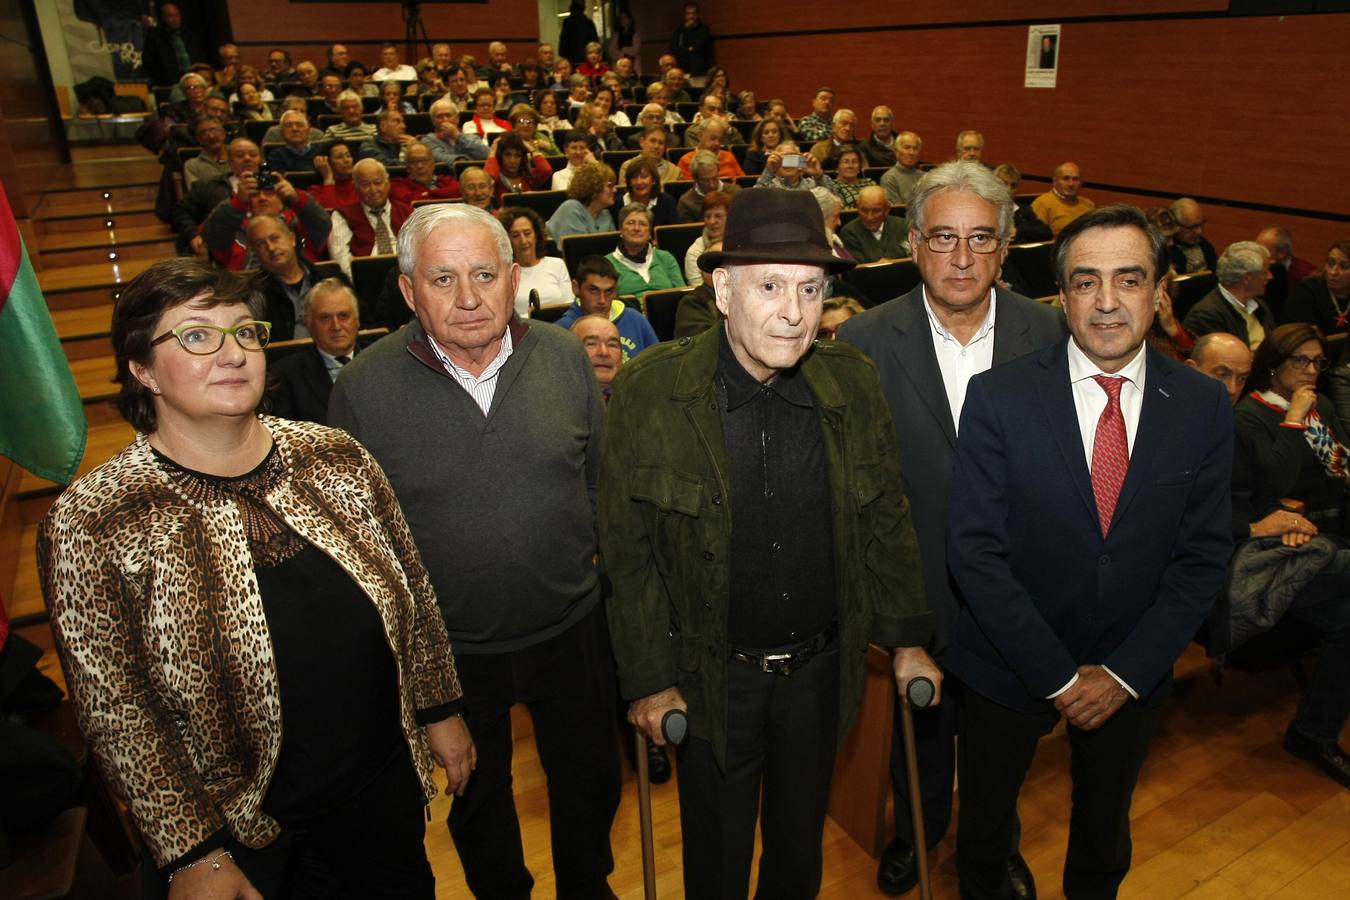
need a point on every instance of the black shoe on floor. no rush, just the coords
(1019, 873)
(1327, 754)
(658, 764)
(898, 871)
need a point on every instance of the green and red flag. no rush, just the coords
(42, 423)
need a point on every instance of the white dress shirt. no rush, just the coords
(1256, 332)
(1089, 402)
(957, 362)
(480, 387)
(340, 237)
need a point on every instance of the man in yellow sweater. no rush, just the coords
(1062, 204)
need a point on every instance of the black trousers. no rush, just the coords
(996, 749)
(371, 846)
(781, 736)
(567, 682)
(1325, 605)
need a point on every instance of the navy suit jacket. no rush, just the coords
(301, 387)
(898, 337)
(1044, 591)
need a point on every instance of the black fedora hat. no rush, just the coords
(774, 225)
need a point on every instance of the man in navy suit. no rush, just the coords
(927, 345)
(1088, 532)
(304, 379)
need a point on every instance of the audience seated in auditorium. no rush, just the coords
(544, 274)
(273, 135)
(830, 209)
(835, 312)
(286, 274)
(1290, 445)
(843, 125)
(214, 160)
(303, 381)
(226, 228)
(848, 177)
(369, 226)
(338, 60)
(391, 138)
(587, 207)
(596, 291)
(642, 266)
(525, 123)
(358, 83)
(330, 90)
(476, 186)
(394, 96)
(298, 152)
(593, 65)
(446, 141)
(899, 180)
(880, 146)
(714, 227)
(514, 169)
(191, 211)
(1191, 250)
(352, 127)
(392, 66)
(606, 97)
(546, 104)
(1062, 204)
(970, 145)
(675, 85)
(227, 69)
(652, 146)
(875, 235)
(712, 107)
(642, 185)
(335, 168)
(497, 61)
(577, 150)
(1027, 226)
(1288, 269)
(578, 94)
(1235, 305)
(457, 88)
(599, 130)
(658, 93)
(707, 179)
(816, 125)
(623, 68)
(768, 134)
(168, 50)
(443, 58)
(251, 105)
(188, 102)
(485, 122)
(279, 68)
(787, 168)
(1323, 298)
(422, 182)
(710, 141)
(307, 81)
(651, 116)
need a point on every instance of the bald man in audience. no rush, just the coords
(190, 212)
(370, 225)
(879, 148)
(476, 187)
(1062, 204)
(1235, 305)
(875, 235)
(1191, 250)
(422, 182)
(600, 337)
(899, 180)
(1286, 268)
(652, 115)
(1225, 358)
(712, 107)
(970, 145)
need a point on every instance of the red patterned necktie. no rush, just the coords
(1110, 452)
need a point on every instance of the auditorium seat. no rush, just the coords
(1035, 263)
(659, 307)
(676, 239)
(545, 203)
(882, 281)
(576, 247)
(368, 274)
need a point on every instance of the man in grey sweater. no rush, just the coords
(489, 430)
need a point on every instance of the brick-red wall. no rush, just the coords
(1235, 108)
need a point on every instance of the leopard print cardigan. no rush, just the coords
(160, 628)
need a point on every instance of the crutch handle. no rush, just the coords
(675, 726)
(920, 692)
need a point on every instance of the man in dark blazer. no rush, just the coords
(304, 379)
(979, 321)
(1236, 305)
(876, 234)
(1088, 530)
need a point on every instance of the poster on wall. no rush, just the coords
(1042, 56)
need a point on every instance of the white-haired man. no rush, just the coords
(302, 382)
(446, 141)
(1235, 304)
(493, 450)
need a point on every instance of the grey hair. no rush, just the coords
(828, 202)
(961, 175)
(460, 216)
(635, 207)
(1239, 260)
(966, 132)
(840, 113)
(704, 159)
(293, 112)
(328, 285)
(349, 95)
(446, 104)
(370, 160)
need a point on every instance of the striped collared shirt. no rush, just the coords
(480, 387)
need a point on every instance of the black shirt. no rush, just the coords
(782, 533)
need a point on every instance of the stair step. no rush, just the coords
(105, 277)
(86, 200)
(99, 219)
(71, 238)
(94, 377)
(81, 256)
(138, 167)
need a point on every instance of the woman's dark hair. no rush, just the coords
(1342, 245)
(542, 94)
(783, 135)
(643, 164)
(508, 215)
(1278, 346)
(143, 302)
(512, 141)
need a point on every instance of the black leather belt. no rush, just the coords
(789, 660)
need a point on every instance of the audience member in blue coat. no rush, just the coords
(586, 209)
(596, 286)
(297, 154)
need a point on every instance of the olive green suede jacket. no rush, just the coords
(665, 525)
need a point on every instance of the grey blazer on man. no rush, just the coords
(897, 336)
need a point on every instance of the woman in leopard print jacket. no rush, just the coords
(251, 642)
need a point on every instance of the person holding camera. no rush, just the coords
(791, 170)
(260, 193)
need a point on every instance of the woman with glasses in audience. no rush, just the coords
(485, 121)
(715, 205)
(1298, 445)
(642, 267)
(766, 137)
(525, 123)
(251, 643)
(586, 209)
(849, 180)
(538, 272)
(1323, 299)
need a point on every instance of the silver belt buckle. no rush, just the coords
(766, 663)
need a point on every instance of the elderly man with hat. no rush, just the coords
(754, 527)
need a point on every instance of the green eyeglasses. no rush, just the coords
(203, 340)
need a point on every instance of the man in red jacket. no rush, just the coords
(370, 225)
(422, 182)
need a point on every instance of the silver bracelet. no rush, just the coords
(213, 861)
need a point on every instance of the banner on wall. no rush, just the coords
(1042, 56)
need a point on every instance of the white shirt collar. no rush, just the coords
(986, 327)
(1250, 306)
(1080, 367)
